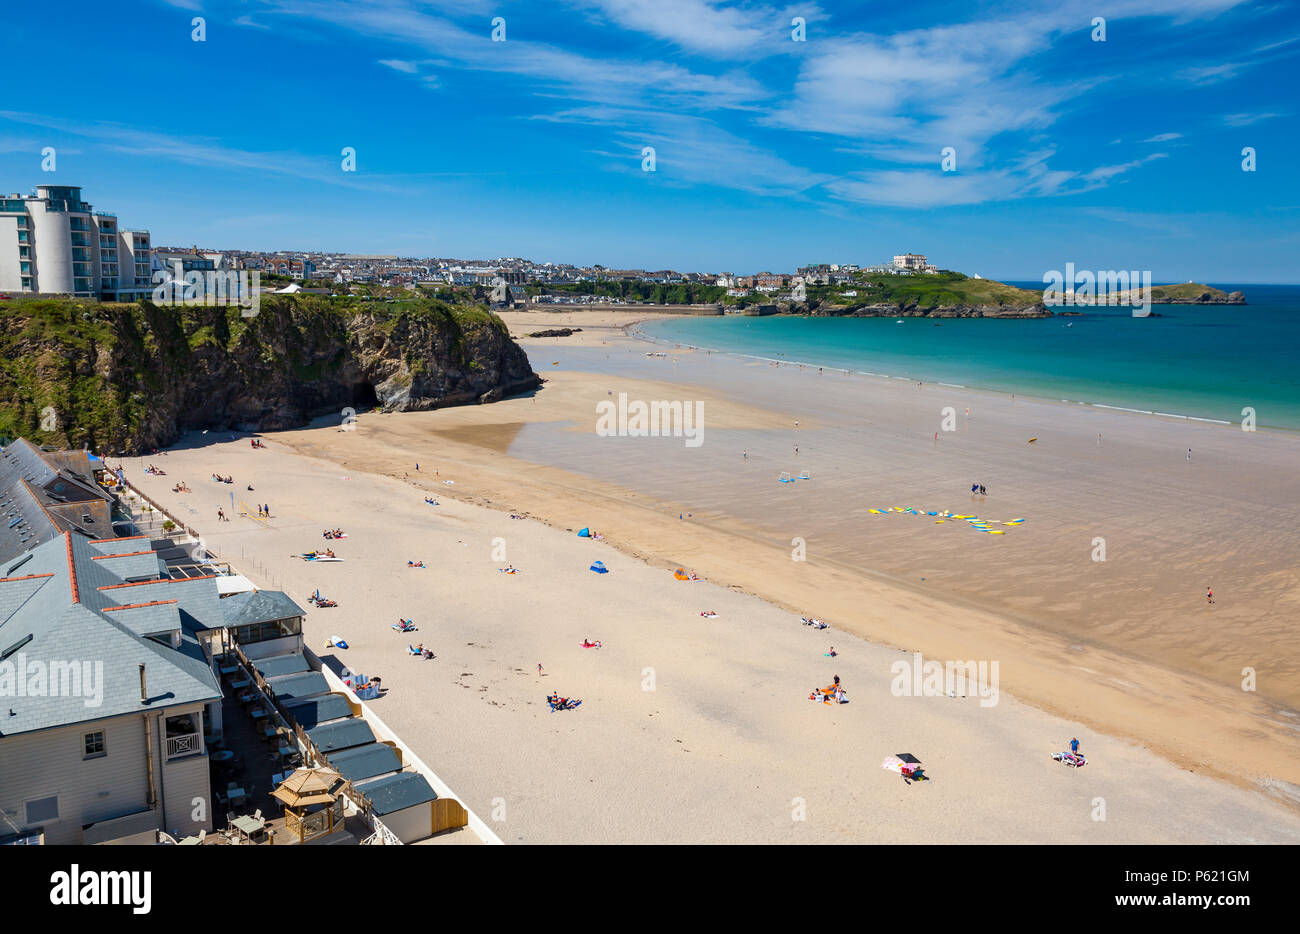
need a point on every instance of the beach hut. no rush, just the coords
(313, 802)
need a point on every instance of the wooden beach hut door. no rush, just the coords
(446, 814)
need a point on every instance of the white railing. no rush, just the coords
(187, 745)
(382, 835)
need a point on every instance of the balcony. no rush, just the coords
(186, 744)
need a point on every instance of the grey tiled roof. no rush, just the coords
(362, 762)
(258, 606)
(342, 734)
(121, 546)
(395, 792)
(299, 685)
(314, 711)
(128, 565)
(276, 665)
(63, 621)
(41, 496)
(145, 619)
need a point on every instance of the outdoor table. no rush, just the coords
(223, 755)
(257, 714)
(236, 796)
(240, 684)
(248, 826)
(269, 731)
(189, 841)
(229, 669)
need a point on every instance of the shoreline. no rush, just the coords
(1129, 696)
(621, 755)
(633, 331)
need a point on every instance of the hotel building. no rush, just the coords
(54, 243)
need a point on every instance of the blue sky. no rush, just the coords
(770, 153)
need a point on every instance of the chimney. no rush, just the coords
(144, 696)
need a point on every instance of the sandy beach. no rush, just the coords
(707, 722)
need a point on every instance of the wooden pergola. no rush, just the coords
(313, 802)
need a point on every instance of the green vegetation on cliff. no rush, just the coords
(941, 289)
(630, 290)
(124, 377)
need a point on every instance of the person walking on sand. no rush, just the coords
(539, 669)
(1189, 455)
(1074, 746)
(1209, 596)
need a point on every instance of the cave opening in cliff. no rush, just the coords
(364, 395)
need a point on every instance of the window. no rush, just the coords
(94, 745)
(42, 810)
(274, 629)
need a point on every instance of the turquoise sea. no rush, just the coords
(1200, 361)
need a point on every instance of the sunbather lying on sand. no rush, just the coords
(709, 614)
(509, 569)
(415, 564)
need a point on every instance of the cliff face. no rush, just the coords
(127, 378)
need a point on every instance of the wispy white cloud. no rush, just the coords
(1163, 138)
(1247, 119)
(206, 153)
(702, 26)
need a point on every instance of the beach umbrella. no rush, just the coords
(907, 757)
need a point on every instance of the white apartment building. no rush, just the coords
(53, 243)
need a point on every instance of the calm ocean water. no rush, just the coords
(1201, 361)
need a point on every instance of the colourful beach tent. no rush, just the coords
(584, 533)
(599, 568)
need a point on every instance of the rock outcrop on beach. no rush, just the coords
(125, 378)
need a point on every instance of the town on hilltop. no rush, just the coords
(62, 246)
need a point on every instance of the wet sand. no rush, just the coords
(1123, 648)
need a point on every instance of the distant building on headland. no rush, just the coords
(914, 262)
(53, 243)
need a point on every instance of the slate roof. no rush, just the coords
(363, 762)
(314, 711)
(45, 493)
(342, 734)
(275, 665)
(258, 606)
(132, 565)
(395, 792)
(299, 685)
(55, 612)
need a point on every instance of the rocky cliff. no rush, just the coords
(125, 378)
